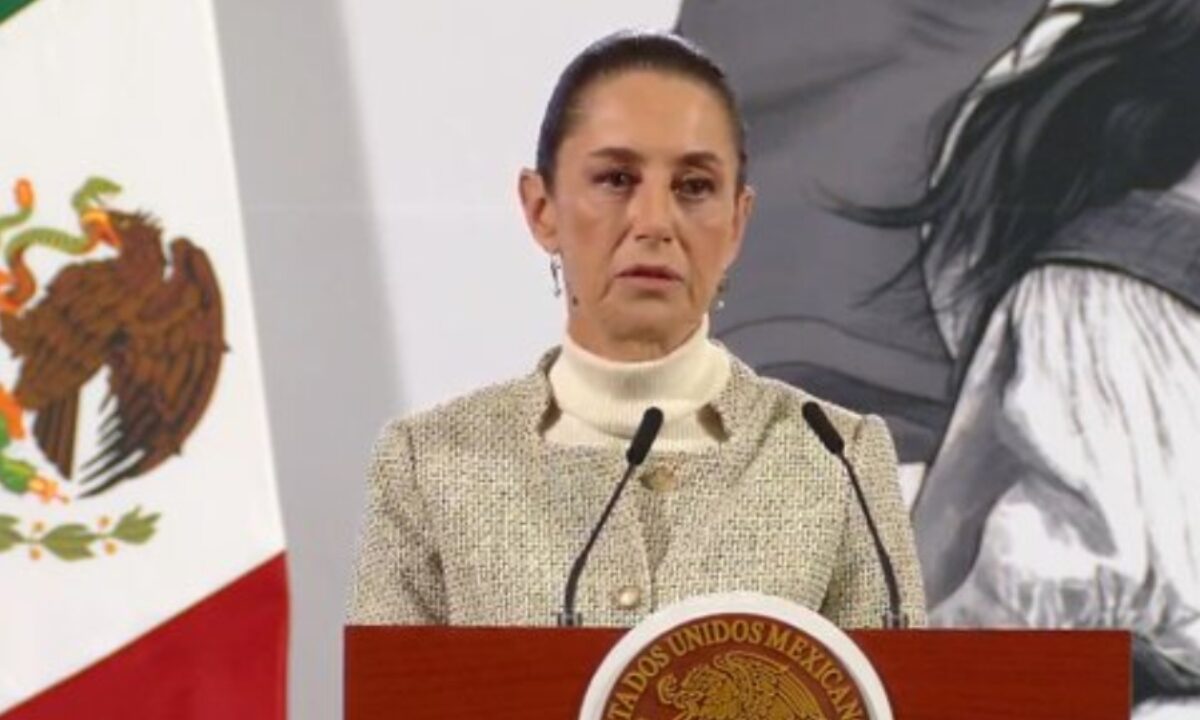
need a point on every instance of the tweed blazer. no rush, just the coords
(473, 518)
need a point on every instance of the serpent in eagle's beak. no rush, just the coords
(98, 227)
(88, 201)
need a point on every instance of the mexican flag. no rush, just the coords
(141, 548)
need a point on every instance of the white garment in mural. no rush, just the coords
(1087, 385)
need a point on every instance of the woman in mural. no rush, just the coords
(1061, 251)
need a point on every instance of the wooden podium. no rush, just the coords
(542, 674)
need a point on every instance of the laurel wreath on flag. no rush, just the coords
(75, 541)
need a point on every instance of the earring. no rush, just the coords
(555, 266)
(719, 302)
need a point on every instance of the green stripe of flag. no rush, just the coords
(8, 8)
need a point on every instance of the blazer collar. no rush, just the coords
(733, 405)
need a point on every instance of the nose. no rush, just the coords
(651, 213)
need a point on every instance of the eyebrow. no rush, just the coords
(619, 154)
(697, 158)
(702, 159)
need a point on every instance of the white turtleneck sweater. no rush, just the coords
(602, 401)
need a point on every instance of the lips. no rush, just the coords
(650, 272)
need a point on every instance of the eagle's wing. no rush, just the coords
(162, 372)
(765, 683)
(798, 699)
(62, 342)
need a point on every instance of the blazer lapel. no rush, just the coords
(576, 483)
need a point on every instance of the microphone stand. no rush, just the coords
(639, 447)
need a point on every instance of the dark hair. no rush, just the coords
(1113, 107)
(623, 51)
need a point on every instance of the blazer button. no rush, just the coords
(660, 479)
(629, 597)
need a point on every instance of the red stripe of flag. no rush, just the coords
(225, 657)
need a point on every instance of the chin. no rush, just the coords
(651, 322)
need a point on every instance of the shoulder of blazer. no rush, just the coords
(499, 411)
(791, 399)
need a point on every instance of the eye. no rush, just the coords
(695, 188)
(616, 179)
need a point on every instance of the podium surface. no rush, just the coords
(543, 673)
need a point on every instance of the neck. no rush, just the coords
(602, 400)
(634, 347)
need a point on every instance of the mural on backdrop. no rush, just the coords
(1029, 322)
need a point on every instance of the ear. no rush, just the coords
(538, 206)
(743, 207)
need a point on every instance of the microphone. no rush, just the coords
(819, 422)
(639, 447)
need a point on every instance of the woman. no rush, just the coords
(1061, 253)
(477, 508)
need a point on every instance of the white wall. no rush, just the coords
(377, 146)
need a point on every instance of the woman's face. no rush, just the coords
(645, 211)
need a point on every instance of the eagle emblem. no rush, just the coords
(143, 315)
(739, 685)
